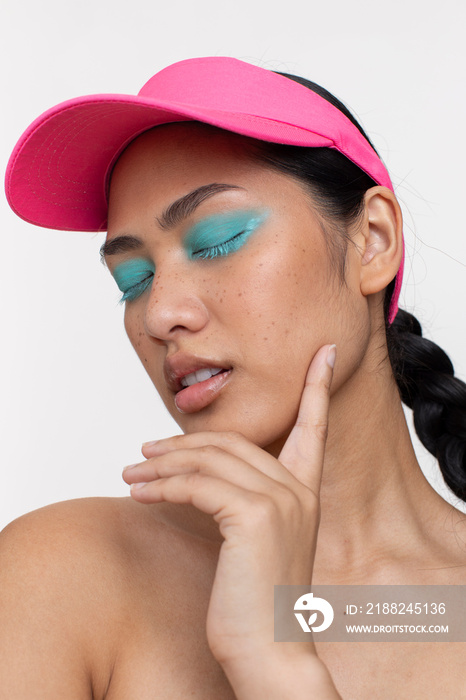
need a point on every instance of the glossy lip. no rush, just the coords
(181, 364)
(192, 399)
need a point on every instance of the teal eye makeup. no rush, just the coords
(222, 234)
(133, 277)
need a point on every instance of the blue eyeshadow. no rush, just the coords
(133, 277)
(222, 234)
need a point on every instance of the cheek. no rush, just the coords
(134, 327)
(280, 294)
(283, 306)
(275, 308)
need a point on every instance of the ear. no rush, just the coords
(380, 240)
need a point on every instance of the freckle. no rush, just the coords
(240, 294)
(221, 301)
(265, 338)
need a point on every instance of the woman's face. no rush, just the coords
(227, 269)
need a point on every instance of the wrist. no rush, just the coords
(285, 674)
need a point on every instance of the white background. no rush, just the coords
(75, 404)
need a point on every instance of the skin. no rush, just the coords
(324, 460)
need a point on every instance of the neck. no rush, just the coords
(375, 502)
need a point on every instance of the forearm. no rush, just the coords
(282, 677)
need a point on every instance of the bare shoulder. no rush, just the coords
(61, 534)
(81, 545)
(64, 588)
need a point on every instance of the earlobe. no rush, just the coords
(382, 245)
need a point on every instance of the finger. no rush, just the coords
(303, 452)
(211, 495)
(231, 442)
(209, 460)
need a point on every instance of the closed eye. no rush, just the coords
(221, 249)
(222, 234)
(136, 290)
(133, 277)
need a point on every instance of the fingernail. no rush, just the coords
(150, 443)
(331, 356)
(130, 466)
(135, 487)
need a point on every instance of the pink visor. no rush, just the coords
(58, 173)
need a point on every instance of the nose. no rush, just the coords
(174, 306)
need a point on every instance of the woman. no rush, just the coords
(254, 235)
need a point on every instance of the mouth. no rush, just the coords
(195, 382)
(201, 375)
(203, 390)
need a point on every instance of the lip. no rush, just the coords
(198, 396)
(181, 364)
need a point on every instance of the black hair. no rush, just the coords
(422, 370)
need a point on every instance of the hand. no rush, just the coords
(267, 510)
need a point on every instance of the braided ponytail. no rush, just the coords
(425, 378)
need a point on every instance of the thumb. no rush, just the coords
(303, 452)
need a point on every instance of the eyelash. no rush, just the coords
(222, 249)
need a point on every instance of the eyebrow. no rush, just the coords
(174, 214)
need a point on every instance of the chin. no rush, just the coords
(261, 431)
(266, 423)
